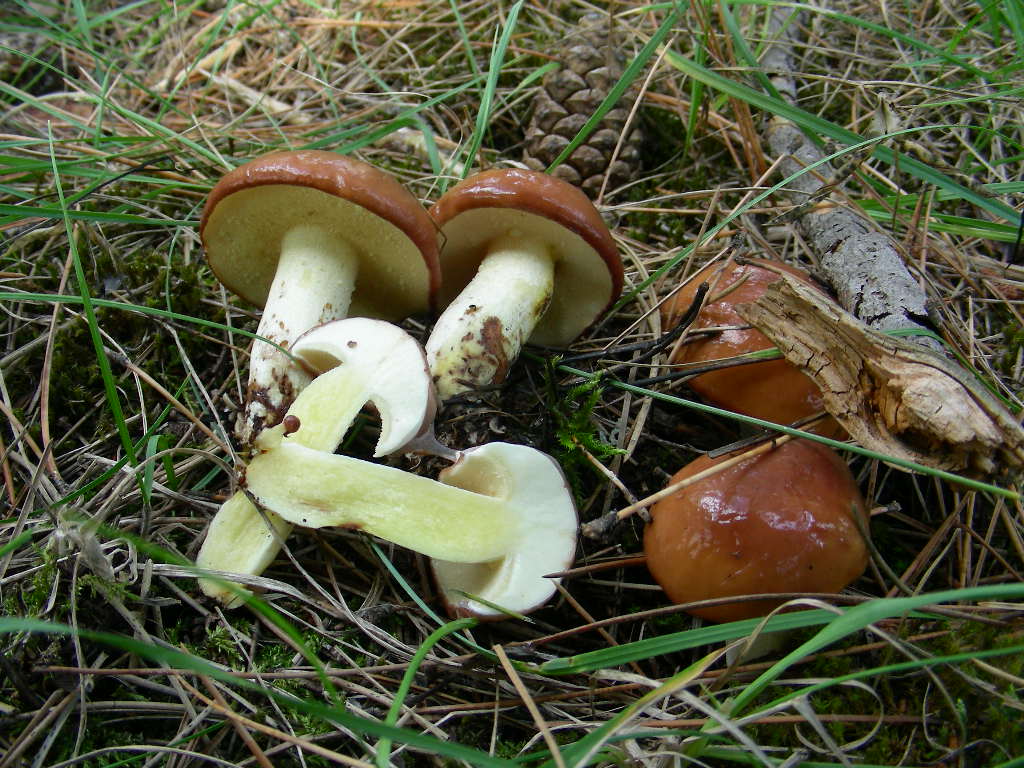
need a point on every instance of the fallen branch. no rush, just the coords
(892, 396)
(861, 264)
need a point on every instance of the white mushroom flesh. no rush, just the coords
(518, 582)
(481, 332)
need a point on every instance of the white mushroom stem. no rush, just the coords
(315, 276)
(481, 332)
(316, 489)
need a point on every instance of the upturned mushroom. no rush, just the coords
(774, 390)
(525, 256)
(313, 236)
(504, 507)
(361, 360)
(787, 521)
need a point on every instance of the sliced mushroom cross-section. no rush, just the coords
(506, 506)
(361, 360)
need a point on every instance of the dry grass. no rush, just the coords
(116, 121)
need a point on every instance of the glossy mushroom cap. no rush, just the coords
(588, 270)
(780, 522)
(251, 208)
(773, 390)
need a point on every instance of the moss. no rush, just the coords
(220, 646)
(36, 594)
(1013, 338)
(75, 382)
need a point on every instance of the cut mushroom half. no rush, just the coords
(530, 259)
(313, 236)
(360, 360)
(501, 518)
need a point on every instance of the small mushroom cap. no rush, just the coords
(779, 522)
(546, 543)
(251, 208)
(588, 270)
(774, 390)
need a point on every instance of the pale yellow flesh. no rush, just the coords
(316, 489)
(240, 539)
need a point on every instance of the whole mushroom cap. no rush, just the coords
(588, 269)
(779, 522)
(774, 390)
(251, 208)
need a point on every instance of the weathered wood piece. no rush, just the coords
(892, 396)
(862, 264)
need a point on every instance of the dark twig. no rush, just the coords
(654, 346)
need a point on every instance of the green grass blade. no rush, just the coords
(885, 32)
(744, 53)
(966, 482)
(109, 385)
(10, 213)
(483, 115)
(898, 668)
(16, 543)
(464, 38)
(384, 745)
(1013, 12)
(580, 752)
(180, 660)
(614, 656)
(860, 616)
(697, 91)
(818, 125)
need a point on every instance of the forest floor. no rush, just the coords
(123, 364)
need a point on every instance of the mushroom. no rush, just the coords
(530, 259)
(786, 521)
(774, 390)
(506, 508)
(313, 236)
(361, 360)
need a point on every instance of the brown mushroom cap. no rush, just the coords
(773, 390)
(251, 208)
(588, 270)
(780, 522)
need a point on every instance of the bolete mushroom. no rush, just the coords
(774, 390)
(525, 256)
(505, 507)
(361, 360)
(313, 236)
(785, 521)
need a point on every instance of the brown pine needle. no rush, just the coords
(531, 706)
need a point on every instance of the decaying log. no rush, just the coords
(892, 396)
(862, 264)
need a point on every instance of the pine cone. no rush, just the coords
(568, 97)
